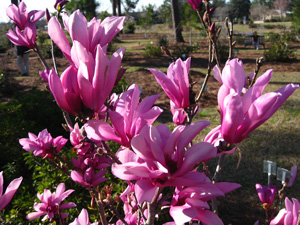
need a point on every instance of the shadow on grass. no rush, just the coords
(243, 206)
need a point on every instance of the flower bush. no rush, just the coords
(162, 167)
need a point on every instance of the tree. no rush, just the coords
(176, 21)
(129, 5)
(150, 16)
(296, 15)
(280, 5)
(86, 7)
(165, 12)
(240, 8)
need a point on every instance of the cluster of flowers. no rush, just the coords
(150, 158)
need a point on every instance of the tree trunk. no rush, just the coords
(176, 21)
(14, 2)
(114, 6)
(119, 7)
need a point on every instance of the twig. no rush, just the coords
(152, 208)
(41, 57)
(101, 211)
(229, 31)
(110, 153)
(259, 62)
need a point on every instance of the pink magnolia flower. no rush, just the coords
(43, 144)
(289, 215)
(97, 81)
(88, 178)
(82, 148)
(190, 203)
(266, 194)
(59, 4)
(290, 181)
(176, 82)
(128, 117)
(195, 3)
(158, 159)
(10, 190)
(241, 114)
(20, 16)
(23, 38)
(65, 90)
(51, 204)
(83, 219)
(179, 115)
(25, 32)
(89, 35)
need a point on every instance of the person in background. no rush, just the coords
(255, 40)
(23, 60)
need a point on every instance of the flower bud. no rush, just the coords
(48, 17)
(195, 3)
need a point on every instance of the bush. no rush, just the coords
(152, 51)
(129, 28)
(279, 51)
(184, 51)
(162, 41)
(47, 49)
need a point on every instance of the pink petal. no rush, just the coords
(183, 214)
(35, 215)
(57, 34)
(197, 153)
(10, 191)
(144, 190)
(232, 117)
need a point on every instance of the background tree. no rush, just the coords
(129, 5)
(165, 12)
(149, 16)
(240, 8)
(86, 7)
(280, 5)
(176, 21)
(296, 15)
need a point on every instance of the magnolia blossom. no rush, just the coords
(88, 35)
(195, 3)
(59, 4)
(51, 204)
(176, 86)
(128, 118)
(89, 85)
(10, 190)
(289, 215)
(25, 32)
(20, 16)
(158, 159)
(176, 82)
(82, 148)
(43, 144)
(290, 181)
(241, 112)
(88, 178)
(83, 219)
(65, 89)
(266, 194)
(190, 203)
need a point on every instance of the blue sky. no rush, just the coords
(42, 4)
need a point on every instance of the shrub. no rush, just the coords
(184, 51)
(279, 51)
(152, 51)
(129, 28)
(162, 41)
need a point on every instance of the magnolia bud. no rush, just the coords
(48, 17)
